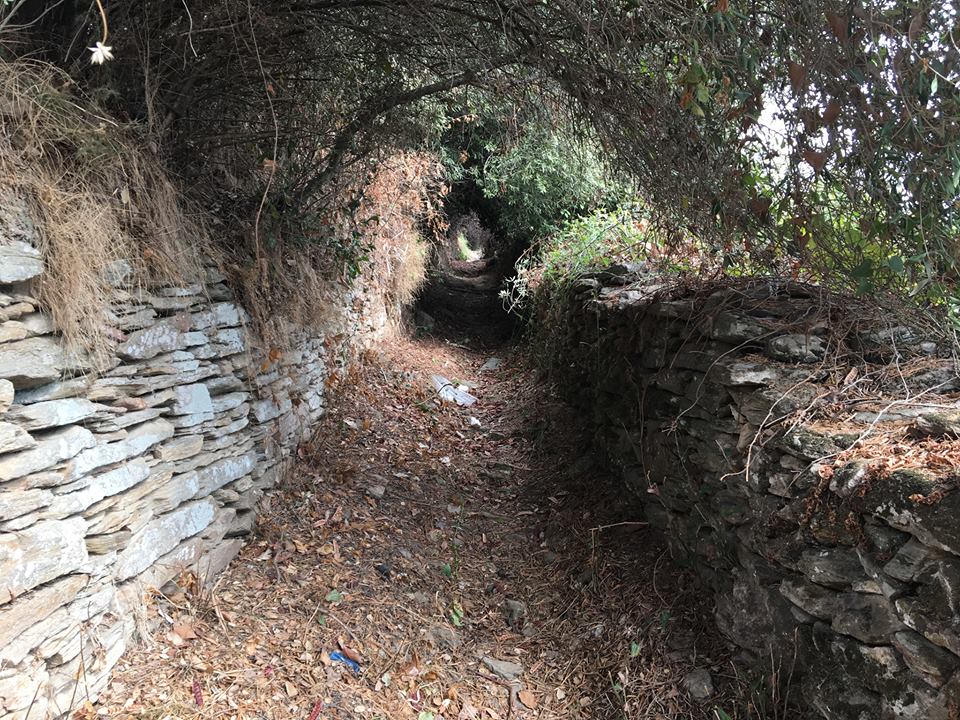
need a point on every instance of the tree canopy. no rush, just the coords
(809, 137)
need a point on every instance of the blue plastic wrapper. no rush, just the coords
(341, 658)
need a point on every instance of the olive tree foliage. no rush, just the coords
(816, 137)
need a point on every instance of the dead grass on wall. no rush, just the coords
(288, 288)
(97, 195)
(301, 284)
(405, 194)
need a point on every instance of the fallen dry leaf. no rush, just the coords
(528, 699)
(184, 631)
(831, 113)
(916, 26)
(349, 652)
(839, 25)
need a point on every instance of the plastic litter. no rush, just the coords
(341, 658)
(452, 393)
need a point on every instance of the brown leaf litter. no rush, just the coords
(469, 572)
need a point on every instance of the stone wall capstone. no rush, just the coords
(117, 475)
(726, 415)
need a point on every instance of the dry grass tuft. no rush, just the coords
(290, 286)
(97, 195)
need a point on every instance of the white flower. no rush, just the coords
(101, 53)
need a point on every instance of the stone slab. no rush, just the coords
(13, 438)
(6, 395)
(162, 535)
(34, 361)
(38, 554)
(53, 448)
(53, 413)
(19, 261)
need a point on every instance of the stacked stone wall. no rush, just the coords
(826, 569)
(121, 473)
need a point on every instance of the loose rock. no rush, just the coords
(699, 684)
(503, 668)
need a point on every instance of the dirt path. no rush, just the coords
(464, 297)
(486, 571)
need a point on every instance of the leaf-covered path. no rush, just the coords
(428, 561)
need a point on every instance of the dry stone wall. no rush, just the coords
(846, 578)
(118, 475)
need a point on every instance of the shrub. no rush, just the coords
(600, 239)
(545, 179)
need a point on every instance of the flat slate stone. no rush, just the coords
(797, 348)
(53, 413)
(54, 448)
(162, 337)
(834, 567)
(36, 606)
(162, 535)
(493, 363)
(934, 525)
(39, 554)
(38, 323)
(934, 663)
(191, 400)
(220, 315)
(13, 438)
(138, 441)
(736, 329)
(19, 261)
(503, 668)
(912, 560)
(813, 599)
(13, 330)
(174, 491)
(121, 420)
(868, 618)
(31, 362)
(214, 561)
(179, 448)
(219, 473)
(103, 544)
(6, 395)
(104, 485)
(747, 373)
(74, 387)
(699, 684)
(17, 503)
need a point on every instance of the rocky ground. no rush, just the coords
(431, 561)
